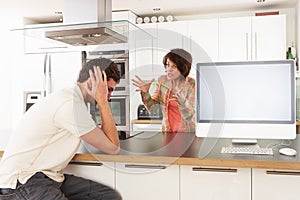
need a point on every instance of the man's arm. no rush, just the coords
(98, 139)
(104, 138)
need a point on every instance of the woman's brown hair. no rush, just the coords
(182, 59)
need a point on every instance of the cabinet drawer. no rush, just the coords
(275, 184)
(137, 181)
(215, 183)
(102, 172)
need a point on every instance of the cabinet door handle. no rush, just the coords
(145, 166)
(247, 47)
(255, 45)
(210, 169)
(86, 163)
(283, 173)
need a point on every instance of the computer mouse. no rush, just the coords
(288, 151)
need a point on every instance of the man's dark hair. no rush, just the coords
(182, 59)
(110, 68)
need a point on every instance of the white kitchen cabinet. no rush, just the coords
(145, 51)
(212, 183)
(275, 184)
(35, 42)
(203, 41)
(102, 172)
(171, 35)
(252, 38)
(203, 36)
(124, 15)
(235, 39)
(147, 181)
(269, 42)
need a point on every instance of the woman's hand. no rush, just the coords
(142, 85)
(97, 86)
(178, 93)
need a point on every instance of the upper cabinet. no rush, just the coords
(235, 39)
(269, 37)
(203, 42)
(252, 38)
(169, 36)
(213, 40)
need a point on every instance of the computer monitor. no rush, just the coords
(253, 99)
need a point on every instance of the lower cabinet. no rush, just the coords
(102, 172)
(147, 181)
(211, 183)
(275, 184)
(137, 181)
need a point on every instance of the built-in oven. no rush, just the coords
(120, 109)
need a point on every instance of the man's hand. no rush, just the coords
(97, 86)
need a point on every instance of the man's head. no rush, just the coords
(113, 74)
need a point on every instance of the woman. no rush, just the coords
(175, 92)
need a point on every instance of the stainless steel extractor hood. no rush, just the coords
(87, 12)
(87, 36)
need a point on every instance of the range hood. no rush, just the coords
(87, 36)
(97, 13)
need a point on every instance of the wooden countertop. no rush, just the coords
(146, 121)
(186, 149)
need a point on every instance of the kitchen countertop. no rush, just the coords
(186, 149)
(154, 121)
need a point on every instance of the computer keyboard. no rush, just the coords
(248, 149)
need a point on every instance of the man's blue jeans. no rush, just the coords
(40, 187)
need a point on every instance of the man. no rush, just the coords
(49, 135)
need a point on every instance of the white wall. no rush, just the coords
(11, 54)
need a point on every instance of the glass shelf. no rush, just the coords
(61, 37)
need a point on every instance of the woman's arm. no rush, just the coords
(187, 107)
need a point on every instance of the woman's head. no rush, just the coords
(178, 59)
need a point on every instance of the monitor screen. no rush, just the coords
(253, 99)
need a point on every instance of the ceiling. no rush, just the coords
(44, 11)
(192, 7)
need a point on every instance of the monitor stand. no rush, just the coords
(244, 141)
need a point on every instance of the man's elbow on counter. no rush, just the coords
(115, 150)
